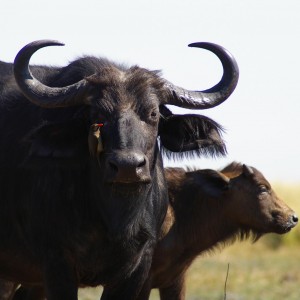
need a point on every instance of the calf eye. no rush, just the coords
(263, 189)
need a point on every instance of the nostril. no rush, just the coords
(295, 218)
(142, 163)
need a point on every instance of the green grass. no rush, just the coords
(268, 269)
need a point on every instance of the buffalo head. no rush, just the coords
(130, 103)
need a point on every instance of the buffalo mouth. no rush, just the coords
(283, 230)
(278, 226)
(284, 224)
(284, 227)
(127, 190)
(128, 177)
(128, 182)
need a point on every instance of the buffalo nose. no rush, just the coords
(128, 167)
(294, 219)
(127, 161)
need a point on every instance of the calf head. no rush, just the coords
(266, 212)
(130, 104)
(251, 201)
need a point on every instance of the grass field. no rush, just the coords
(268, 269)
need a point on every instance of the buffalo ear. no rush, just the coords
(55, 141)
(165, 112)
(196, 135)
(211, 182)
(247, 171)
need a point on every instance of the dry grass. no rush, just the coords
(268, 269)
(256, 272)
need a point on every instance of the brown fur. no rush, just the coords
(209, 209)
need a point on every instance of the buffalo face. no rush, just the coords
(127, 105)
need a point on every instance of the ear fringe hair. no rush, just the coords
(194, 131)
(212, 151)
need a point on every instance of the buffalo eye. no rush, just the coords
(263, 189)
(154, 115)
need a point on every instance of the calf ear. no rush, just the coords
(191, 134)
(211, 182)
(247, 171)
(55, 141)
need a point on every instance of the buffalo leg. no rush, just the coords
(60, 280)
(175, 291)
(145, 292)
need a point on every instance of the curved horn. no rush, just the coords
(38, 93)
(215, 95)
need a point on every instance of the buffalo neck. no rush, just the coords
(200, 223)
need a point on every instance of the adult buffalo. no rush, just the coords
(77, 208)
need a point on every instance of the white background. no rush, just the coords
(261, 117)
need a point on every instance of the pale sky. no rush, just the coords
(261, 117)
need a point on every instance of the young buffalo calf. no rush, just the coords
(208, 208)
